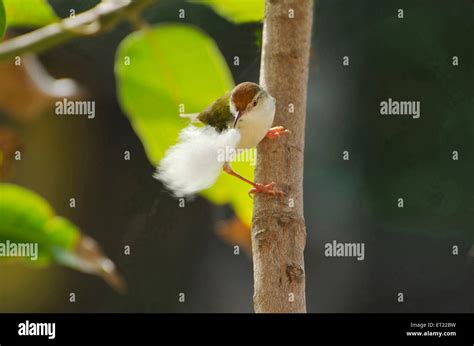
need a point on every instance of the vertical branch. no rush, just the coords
(278, 227)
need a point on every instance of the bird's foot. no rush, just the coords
(276, 132)
(269, 189)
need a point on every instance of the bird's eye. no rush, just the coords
(255, 103)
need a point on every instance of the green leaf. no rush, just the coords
(237, 11)
(27, 218)
(29, 13)
(2, 19)
(167, 66)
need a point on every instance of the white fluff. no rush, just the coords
(195, 162)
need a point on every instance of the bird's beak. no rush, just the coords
(237, 117)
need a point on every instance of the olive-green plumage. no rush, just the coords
(218, 114)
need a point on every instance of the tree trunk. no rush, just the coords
(278, 227)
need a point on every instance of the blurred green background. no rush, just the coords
(176, 249)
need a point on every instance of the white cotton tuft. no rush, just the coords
(195, 162)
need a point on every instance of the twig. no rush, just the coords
(94, 21)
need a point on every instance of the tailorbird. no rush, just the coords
(241, 119)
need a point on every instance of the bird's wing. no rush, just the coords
(218, 114)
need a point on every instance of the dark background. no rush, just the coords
(176, 250)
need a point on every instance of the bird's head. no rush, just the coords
(249, 99)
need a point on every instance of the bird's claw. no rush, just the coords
(276, 132)
(268, 189)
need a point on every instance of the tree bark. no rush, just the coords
(278, 227)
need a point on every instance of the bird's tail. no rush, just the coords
(193, 117)
(195, 162)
